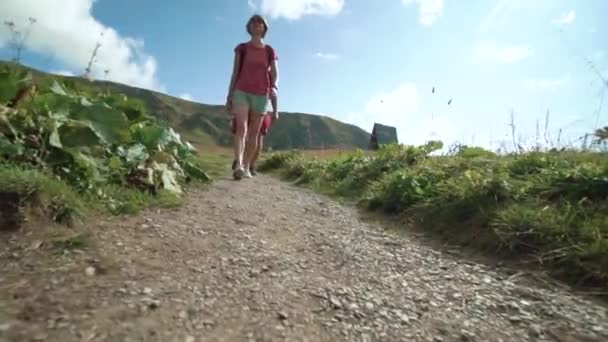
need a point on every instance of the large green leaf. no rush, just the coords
(88, 163)
(172, 136)
(75, 133)
(5, 125)
(91, 136)
(163, 157)
(149, 136)
(183, 151)
(134, 109)
(49, 102)
(9, 149)
(110, 125)
(136, 154)
(54, 139)
(52, 126)
(8, 87)
(115, 164)
(58, 89)
(195, 171)
(10, 81)
(168, 177)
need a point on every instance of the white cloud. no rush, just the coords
(251, 5)
(406, 109)
(497, 14)
(186, 96)
(296, 9)
(429, 10)
(548, 84)
(565, 19)
(63, 72)
(491, 52)
(72, 39)
(327, 56)
(506, 13)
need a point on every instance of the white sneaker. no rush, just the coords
(247, 173)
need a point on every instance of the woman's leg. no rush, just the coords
(257, 153)
(241, 113)
(266, 121)
(253, 131)
(259, 106)
(233, 130)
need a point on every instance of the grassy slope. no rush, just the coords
(31, 176)
(209, 124)
(549, 209)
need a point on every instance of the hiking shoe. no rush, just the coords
(253, 172)
(247, 173)
(238, 174)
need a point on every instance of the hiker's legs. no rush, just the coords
(241, 113)
(251, 145)
(234, 139)
(259, 105)
(263, 130)
(258, 151)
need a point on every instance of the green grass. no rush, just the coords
(549, 207)
(214, 159)
(60, 202)
(121, 200)
(50, 196)
(57, 201)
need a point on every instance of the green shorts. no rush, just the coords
(257, 103)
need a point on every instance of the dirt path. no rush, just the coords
(260, 260)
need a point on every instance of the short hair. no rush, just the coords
(260, 18)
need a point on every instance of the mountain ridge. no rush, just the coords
(206, 124)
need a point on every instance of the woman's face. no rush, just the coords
(257, 27)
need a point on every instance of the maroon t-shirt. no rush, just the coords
(254, 77)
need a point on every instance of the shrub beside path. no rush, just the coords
(260, 260)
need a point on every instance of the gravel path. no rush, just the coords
(260, 260)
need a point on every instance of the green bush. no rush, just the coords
(280, 160)
(90, 140)
(474, 152)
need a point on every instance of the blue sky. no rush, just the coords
(357, 61)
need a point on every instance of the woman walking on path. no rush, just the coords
(254, 79)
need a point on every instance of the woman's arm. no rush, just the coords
(274, 79)
(235, 68)
(274, 74)
(273, 102)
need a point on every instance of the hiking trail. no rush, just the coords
(262, 260)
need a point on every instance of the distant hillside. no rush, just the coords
(209, 124)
